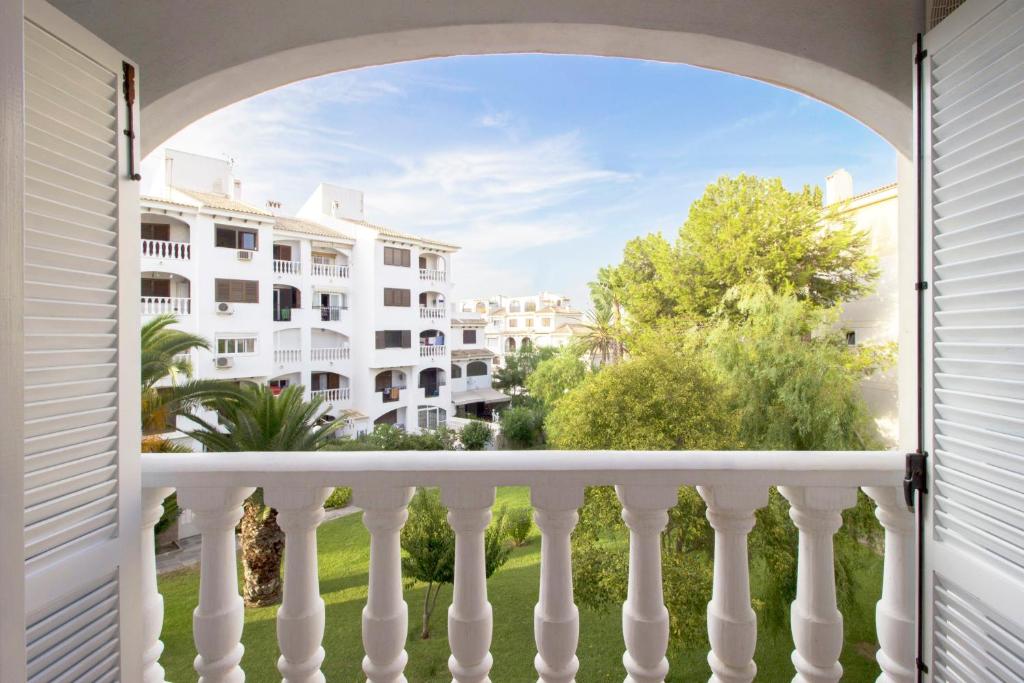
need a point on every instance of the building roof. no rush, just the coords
(222, 202)
(877, 190)
(483, 395)
(391, 232)
(561, 309)
(308, 228)
(463, 354)
(164, 200)
(572, 328)
(469, 322)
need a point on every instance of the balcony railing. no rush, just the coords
(158, 305)
(330, 353)
(734, 485)
(329, 270)
(332, 395)
(331, 313)
(287, 355)
(433, 312)
(162, 249)
(432, 350)
(287, 267)
(432, 275)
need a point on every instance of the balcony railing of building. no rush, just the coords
(433, 389)
(392, 393)
(330, 353)
(329, 270)
(288, 355)
(162, 249)
(432, 350)
(287, 267)
(285, 315)
(332, 395)
(433, 312)
(158, 305)
(819, 486)
(432, 275)
(331, 313)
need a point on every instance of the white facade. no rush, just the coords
(354, 312)
(540, 320)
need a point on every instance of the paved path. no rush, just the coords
(187, 554)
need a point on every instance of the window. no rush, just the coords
(237, 291)
(236, 238)
(397, 297)
(154, 287)
(236, 346)
(456, 371)
(851, 338)
(282, 252)
(477, 368)
(529, 322)
(431, 417)
(322, 259)
(393, 256)
(513, 323)
(394, 339)
(156, 231)
(469, 336)
(531, 306)
(545, 322)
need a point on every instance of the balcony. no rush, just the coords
(288, 355)
(733, 484)
(331, 313)
(159, 305)
(287, 267)
(433, 312)
(331, 395)
(433, 350)
(164, 249)
(330, 353)
(432, 275)
(329, 270)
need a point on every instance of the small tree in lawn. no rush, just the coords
(429, 545)
(476, 436)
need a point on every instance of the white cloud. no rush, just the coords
(501, 119)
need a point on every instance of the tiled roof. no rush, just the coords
(471, 353)
(223, 202)
(164, 200)
(391, 232)
(877, 190)
(308, 228)
(572, 328)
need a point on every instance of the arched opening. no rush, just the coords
(531, 306)
(278, 383)
(431, 380)
(481, 307)
(510, 345)
(330, 387)
(288, 346)
(286, 257)
(389, 384)
(163, 293)
(526, 344)
(456, 371)
(432, 266)
(389, 418)
(514, 306)
(432, 305)
(432, 343)
(286, 299)
(328, 345)
(164, 238)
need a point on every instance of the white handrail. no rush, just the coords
(329, 270)
(164, 249)
(330, 353)
(287, 355)
(157, 305)
(330, 395)
(432, 350)
(433, 311)
(287, 267)
(432, 275)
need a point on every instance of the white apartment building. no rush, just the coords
(512, 322)
(874, 318)
(355, 312)
(472, 366)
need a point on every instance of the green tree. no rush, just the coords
(522, 426)
(476, 436)
(511, 377)
(429, 545)
(556, 376)
(260, 421)
(386, 437)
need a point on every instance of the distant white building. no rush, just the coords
(512, 322)
(874, 318)
(357, 313)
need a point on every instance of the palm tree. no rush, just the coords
(257, 420)
(601, 340)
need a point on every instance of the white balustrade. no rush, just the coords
(158, 305)
(732, 623)
(330, 353)
(469, 617)
(300, 621)
(164, 249)
(433, 312)
(332, 395)
(219, 617)
(432, 350)
(330, 313)
(432, 275)
(287, 355)
(287, 267)
(329, 270)
(734, 485)
(816, 621)
(386, 615)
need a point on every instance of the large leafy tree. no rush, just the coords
(555, 377)
(257, 420)
(511, 378)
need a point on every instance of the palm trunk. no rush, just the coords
(262, 550)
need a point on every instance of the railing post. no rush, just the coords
(556, 619)
(732, 623)
(470, 618)
(895, 612)
(218, 619)
(300, 621)
(152, 601)
(644, 615)
(816, 621)
(386, 615)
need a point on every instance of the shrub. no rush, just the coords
(519, 522)
(521, 426)
(339, 498)
(476, 436)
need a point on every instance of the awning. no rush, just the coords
(330, 289)
(486, 395)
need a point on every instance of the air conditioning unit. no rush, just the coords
(244, 255)
(225, 308)
(225, 361)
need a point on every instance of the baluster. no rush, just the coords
(218, 619)
(732, 623)
(386, 615)
(300, 621)
(469, 616)
(556, 620)
(816, 621)
(644, 615)
(895, 612)
(152, 601)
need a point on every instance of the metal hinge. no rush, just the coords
(914, 480)
(921, 286)
(920, 56)
(129, 132)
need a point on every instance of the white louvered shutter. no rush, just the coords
(81, 370)
(974, 548)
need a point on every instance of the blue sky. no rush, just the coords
(541, 166)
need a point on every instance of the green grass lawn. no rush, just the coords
(344, 563)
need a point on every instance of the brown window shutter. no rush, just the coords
(252, 291)
(380, 340)
(406, 339)
(406, 254)
(407, 297)
(221, 288)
